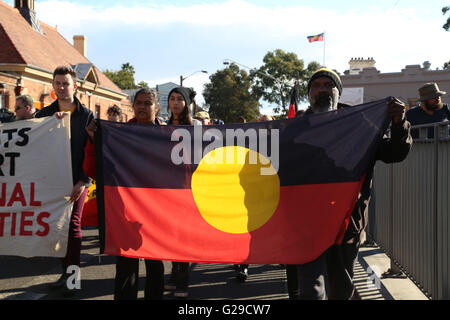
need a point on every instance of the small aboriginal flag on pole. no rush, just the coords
(317, 37)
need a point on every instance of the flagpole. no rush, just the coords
(324, 39)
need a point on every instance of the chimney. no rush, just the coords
(26, 9)
(79, 43)
(358, 64)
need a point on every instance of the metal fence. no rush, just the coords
(410, 212)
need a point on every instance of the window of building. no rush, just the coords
(97, 111)
(2, 96)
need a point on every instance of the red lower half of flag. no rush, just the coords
(165, 224)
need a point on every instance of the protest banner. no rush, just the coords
(35, 187)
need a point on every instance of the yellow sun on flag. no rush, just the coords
(231, 193)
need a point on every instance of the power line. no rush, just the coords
(393, 7)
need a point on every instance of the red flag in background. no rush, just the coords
(89, 217)
(293, 106)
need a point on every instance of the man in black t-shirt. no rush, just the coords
(431, 110)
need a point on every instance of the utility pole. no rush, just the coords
(184, 78)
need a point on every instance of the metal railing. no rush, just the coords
(410, 214)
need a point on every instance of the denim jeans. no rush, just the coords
(75, 235)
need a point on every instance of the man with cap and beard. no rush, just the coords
(431, 110)
(331, 275)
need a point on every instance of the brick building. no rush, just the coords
(371, 84)
(29, 52)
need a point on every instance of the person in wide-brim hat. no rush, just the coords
(430, 91)
(431, 109)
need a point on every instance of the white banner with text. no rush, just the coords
(35, 187)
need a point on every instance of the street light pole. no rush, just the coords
(228, 61)
(184, 78)
(280, 83)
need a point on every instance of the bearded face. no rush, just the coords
(323, 102)
(323, 95)
(433, 104)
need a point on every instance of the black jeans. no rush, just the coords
(341, 261)
(313, 279)
(292, 281)
(180, 270)
(127, 279)
(330, 276)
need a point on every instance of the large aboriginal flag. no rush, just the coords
(259, 193)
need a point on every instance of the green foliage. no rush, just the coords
(446, 26)
(123, 78)
(230, 96)
(446, 65)
(143, 84)
(283, 69)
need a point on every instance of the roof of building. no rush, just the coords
(21, 44)
(167, 86)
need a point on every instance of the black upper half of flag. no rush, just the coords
(331, 147)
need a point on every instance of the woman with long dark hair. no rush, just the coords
(180, 99)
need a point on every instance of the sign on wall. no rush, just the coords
(352, 96)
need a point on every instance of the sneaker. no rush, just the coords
(242, 275)
(170, 286)
(66, 292)
(356, 296)
(60, 283)
(181, 292)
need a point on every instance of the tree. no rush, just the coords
(142, 84)
(230, 97)
(123, 78)
(446, 65)
(446, 26)
(283, 69)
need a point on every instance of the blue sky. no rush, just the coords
(164, 40)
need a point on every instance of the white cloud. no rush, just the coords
(227, 13)
(394, 37)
